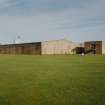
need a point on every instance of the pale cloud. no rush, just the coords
(6, 4)
(52, 19)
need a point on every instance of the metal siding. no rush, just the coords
(58, 47)
(26, 48)
(98, 46)
(103, 47)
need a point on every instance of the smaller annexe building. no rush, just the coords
(94, 47)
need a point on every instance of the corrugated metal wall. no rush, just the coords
(98, 47)
(103, 47)
(58, 47)
(47, 47)
(25, 48)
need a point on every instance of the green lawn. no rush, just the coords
(52, 80)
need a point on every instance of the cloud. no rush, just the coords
(52, 19)
(6, 4)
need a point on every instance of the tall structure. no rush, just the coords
(94, 47)
(18, 40)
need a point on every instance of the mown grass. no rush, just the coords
(52, 80)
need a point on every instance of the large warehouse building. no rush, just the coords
(94, 47)
(40, 48)
(58, 47)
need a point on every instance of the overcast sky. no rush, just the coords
(40, 20)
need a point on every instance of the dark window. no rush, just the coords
(93, 45)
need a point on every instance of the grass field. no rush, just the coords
(52, 80)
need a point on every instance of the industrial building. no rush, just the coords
(94, 47)
(54, 47)
(40, 48)
(59, 47)
(22, 48)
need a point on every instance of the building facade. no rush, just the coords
(94, 47)
(23, 48)
(40, 48)
(54, 47)
(58, 47)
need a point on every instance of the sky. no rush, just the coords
(41, 20)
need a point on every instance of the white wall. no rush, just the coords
(58, 47)
(103, 47)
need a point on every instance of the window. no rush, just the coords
(93, 45)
